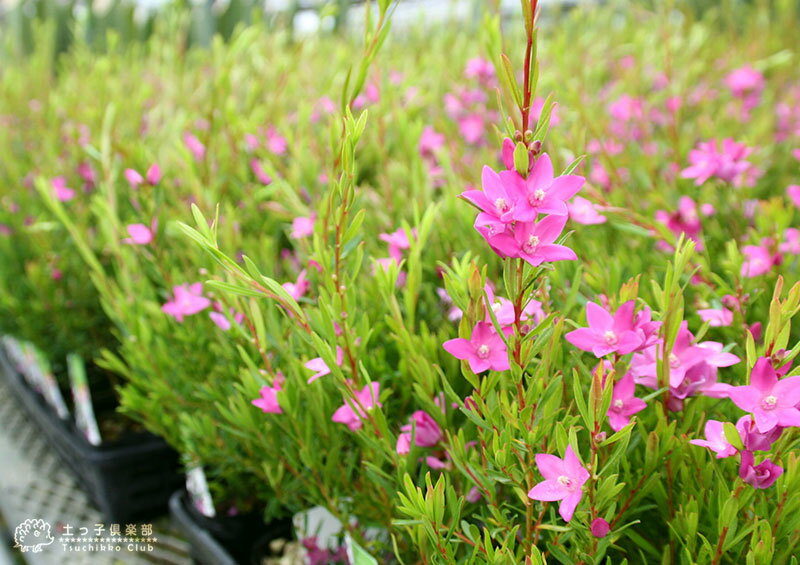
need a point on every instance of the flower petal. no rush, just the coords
(548, 491)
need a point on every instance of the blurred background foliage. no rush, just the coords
(101, 24)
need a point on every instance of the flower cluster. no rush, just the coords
(726, 161)
(692, 368)
(522, 216)
(772, 404)
(685, 220)
(485, 349)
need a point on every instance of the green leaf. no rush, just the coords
(732, 435)
(357, 554)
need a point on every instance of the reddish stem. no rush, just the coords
(526, 103)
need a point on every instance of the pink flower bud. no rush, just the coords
(600, 528)
(153, 175)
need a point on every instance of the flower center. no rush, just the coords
(610, 337)
(769, 402)
(674, 362)
(501, 205)
(566, 482)
(531, 245)
(537, 197)
(618, 404)
(483, 351)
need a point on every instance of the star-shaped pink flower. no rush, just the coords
(772, 402)
(564, 480)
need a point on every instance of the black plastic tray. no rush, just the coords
(128, 480)
(236, 540)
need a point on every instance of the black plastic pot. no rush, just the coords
(226, 540)
(128, 480)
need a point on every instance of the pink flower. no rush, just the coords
(480, 69)
(754, 440)
(153, 174)
(134, 178)
(684, 221)
(762, 475)
(323, 106)
(353, 412)
(745, 80)
(608, 146)
(685, 355)
(316, 555)
(221, 320)
(425, 430)
(582, 211)
(791, 243)
(716, 440)
(533, 241)
(474, 495)
(430, 141)
(472, 128)
(796, 154)
(298, 288)
(771, 401)
(87, 173)
(195, 146)
(540, 193)
(626, 108)
(496, 199)
(702, 377)
(371, 95)
(623, 403)
(320, 368)
(259, 172)
(707, 209)
(628, 115)
(606, 333)
(599, 176)
(726, 163)
(484, 349)
(61, 191)
(503, 309)
(187, 300)
(758, 261)
(716, 318)
(564, 480)
(793, 191)
(252, 142)
(276, 143)
(600, 528)
(398, 241)
(139, 234)
(303, 226)
(268, 402)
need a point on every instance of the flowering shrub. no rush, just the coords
(515, 309)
